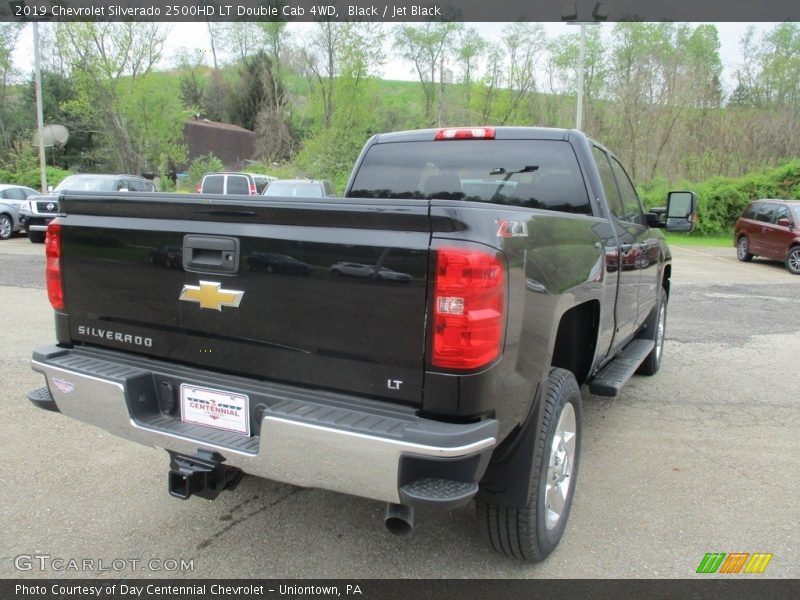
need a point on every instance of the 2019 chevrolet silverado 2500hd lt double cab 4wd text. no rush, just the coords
(523, 266)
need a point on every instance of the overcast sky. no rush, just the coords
(195, 35)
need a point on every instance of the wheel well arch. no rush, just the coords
(666, 278)
(576, 340)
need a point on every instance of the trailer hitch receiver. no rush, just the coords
(202, 474)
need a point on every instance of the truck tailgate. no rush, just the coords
(323, 293)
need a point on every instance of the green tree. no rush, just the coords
(425, 46)
(253, 91)
(470, 49)
(192, 80)
(524, 45)
(202, 165)
(138, 124)
(339, 59)
(9, 33)
(564, 65)
(771, 68)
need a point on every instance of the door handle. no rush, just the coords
(209, 254)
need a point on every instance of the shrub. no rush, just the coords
(202, 165)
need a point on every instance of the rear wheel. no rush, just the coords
(532, 532)
(743, 250)
(655, 331)
(37, 237)
(793, 260)
(6, 227)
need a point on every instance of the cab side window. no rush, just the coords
(782, 212)
(609, 183)
(765, 212)
(631, 206)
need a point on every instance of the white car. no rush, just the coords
(12, 198)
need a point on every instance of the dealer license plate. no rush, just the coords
(215, 408)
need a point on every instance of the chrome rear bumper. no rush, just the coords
(303, 437)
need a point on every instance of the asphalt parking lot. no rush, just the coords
(702, 457)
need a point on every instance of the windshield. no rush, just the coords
(304, 190)
(796, 213)
(529, 173)
(83, 183)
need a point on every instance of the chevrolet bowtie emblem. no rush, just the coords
(209, 295)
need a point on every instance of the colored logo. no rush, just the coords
(64, 385)
(734, 562)
(210, 295)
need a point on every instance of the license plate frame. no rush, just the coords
(220, 409)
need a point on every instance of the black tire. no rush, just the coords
(6, 227)
(36, 237)
(531, 532)
(792, 261)
(655, 331)
(743, 249)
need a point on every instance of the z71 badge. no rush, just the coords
(512, 229)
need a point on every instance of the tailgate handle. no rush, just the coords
(208, 254)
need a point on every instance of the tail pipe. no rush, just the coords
(399, 519)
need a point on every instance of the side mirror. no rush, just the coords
(681, 211)
(784, 223)
(655, 218)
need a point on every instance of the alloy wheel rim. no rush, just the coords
(794, 260)
(5, 227)
(742, 248)
(560, 467)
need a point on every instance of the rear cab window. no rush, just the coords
(238, 184)
(213, 184)
(541, 174)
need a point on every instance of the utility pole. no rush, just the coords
(39, 108)
(581, 70)
(569, 14)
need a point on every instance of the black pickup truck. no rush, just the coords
(420, 341)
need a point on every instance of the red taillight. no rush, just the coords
(253, 190)
(197, 188)
(55, 287)
(465, 133)
(468, 308)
